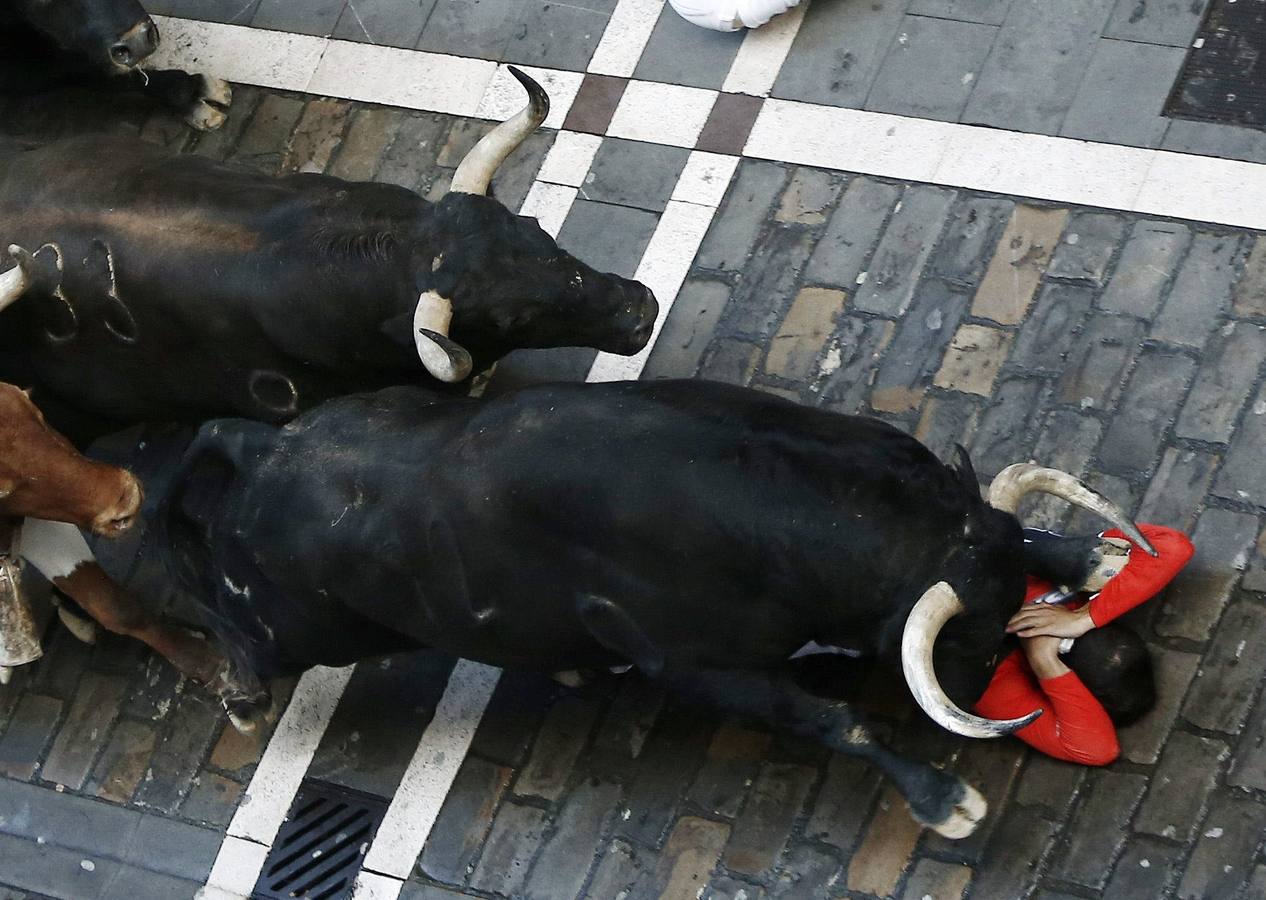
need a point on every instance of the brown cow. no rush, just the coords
(48, 491)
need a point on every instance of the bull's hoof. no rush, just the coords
(6, 674)
(967, 812)
(210, 109)
(81, 627)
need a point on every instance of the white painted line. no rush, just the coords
(430, 774)
(1209, 190)
(372, 886)
(1049, 168)
(662, 113)
(409, 78)
(236, 869)
(762, 53)
(628, 30)
(663, 268)
(549, 205)
(705, 178)
(569, 159)
(849, 139)
(248, 55)
(504, 96)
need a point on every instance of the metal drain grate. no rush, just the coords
(321, 844)
(1224, 78)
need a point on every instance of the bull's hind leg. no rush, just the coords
(940, 800)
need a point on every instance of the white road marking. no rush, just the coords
(504, 95)
(276, 780)
(761, 55)
(1064, 170)
(569, 159)
(628, 30)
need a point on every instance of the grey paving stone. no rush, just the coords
(738, 223)
(843, 802)
(1031, 76)
(622, 872)
(1197, 596)
(310, 17)
(1051, 784)
(808, 197)
(966, 247)
(807, 873)
(387, 23)
(1231, 673)
(1002, 437)
(1119, 490)
(562, 737)
(607, 237)
(932, 878)
(931, 69)
(762, 296)
(724, 887)
(413, 890)
(56, 872)
(625, 726)
(1180, 483)
(557, 35)
(63, 664)
(1248, 769)
(838, 51)
(230, 12)
(194, 723)
(411, 156)
(987, 12)
(1201, 293)
(1177, 791)
(679, 52)
(512, 716)
(477, 28)
(1148, 405)
(375, 727)
(1052, 328)
(1123, 94)
(1223, 383)
(1212, 139)
(762, 830)
(992, 768)
(1086, 247)
(855, 227)
(1144, 869)
(1221, 862)
(569, 853)
(29, 730)
(632, 173)
(728, 770)
(516, 835)
(667, 766)
(123, 762)
(914, 355)
(1250, 290)
(1242, 477)
(688, 330)
(1150, 256)
(464, 820)
(94, 708)
(1020, 841)
(908, 241)
(947, 419)
(264, 141)
(1097, 829)
(213, 799)
(850, 362)
(1067, 442)
(1172, 22)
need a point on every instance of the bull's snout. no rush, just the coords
(137, 44)
(121, 515)
(640, 312)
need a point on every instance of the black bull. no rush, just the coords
(699, 532)
(161, 287)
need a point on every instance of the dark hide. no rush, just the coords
(194, 289)
(74, 54)
(675, 526)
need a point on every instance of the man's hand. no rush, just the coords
(1043, 619)
(1043, 656)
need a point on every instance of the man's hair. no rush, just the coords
(1114, 664)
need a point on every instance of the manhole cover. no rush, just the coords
(1224, 79)
(321, 844)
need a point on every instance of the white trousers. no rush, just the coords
(730, 15)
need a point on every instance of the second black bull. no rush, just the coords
(702, 533)
(159, 287)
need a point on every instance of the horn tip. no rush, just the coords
(537, 95)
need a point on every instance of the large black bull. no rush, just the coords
(48, 46)
(164, 287)
(699, 532)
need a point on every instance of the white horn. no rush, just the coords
(13, 283)
(1011, 484)
(937, 606)
(19, 637)
(475, 172)
(443, 357)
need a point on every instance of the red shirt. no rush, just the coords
(1074, 726)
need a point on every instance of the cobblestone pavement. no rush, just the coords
(1127, 349)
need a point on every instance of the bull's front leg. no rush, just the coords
(61, 554)
(201, 100)
(938, 799)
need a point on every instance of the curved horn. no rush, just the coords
(13, 283)
(475, 172)
(937, 606)
(443, 357)
(1012, 483)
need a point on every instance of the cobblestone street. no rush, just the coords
(1122, 346)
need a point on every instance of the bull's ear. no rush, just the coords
(399, 329)
(965, 470)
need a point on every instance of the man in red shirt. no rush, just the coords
(1104, 679)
